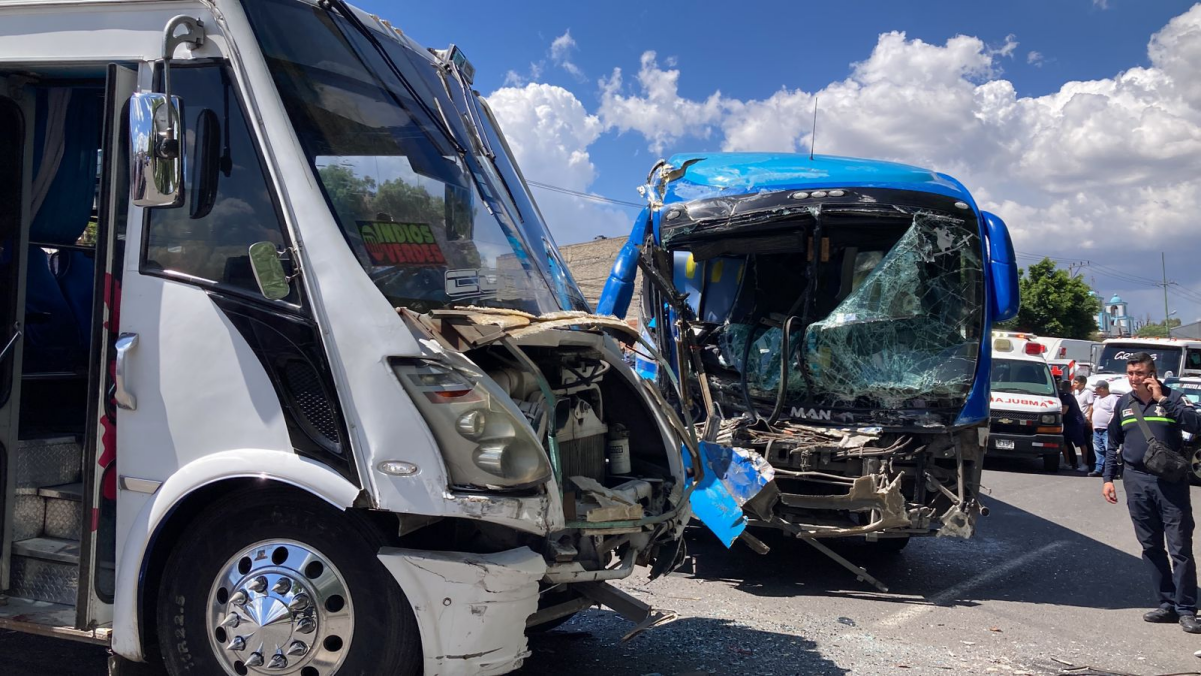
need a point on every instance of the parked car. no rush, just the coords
(1191, 389)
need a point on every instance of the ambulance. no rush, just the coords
(1025, 414)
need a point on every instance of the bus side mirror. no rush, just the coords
(156, 128)
(155, 153)
(268, 271)
(1004, 299)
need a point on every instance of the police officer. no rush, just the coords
(1159, 508)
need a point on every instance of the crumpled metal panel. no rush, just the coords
(48, 462)
(712, 502)
(43, 580)
(471, 609)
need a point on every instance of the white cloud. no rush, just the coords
(561, 50)
(1035, 59)
(1008, 48)
(658, 111)
(550, 131)
(1101, 4)
(1106, 169)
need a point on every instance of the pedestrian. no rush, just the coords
(1100, 412)
(1084, 398)
(1159, 507)
(1073, 425)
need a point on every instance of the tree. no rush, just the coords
(1158, 329)
(1054, 303)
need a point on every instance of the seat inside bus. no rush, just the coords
(61, 267)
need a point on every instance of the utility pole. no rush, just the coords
(1164, 266)
(1074, 267)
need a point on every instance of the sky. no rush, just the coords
(1076, 121)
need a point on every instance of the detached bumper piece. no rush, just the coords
(471, 609)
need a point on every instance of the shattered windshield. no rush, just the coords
(1017, 376)
(898, 308)
(1114, 356)
(421, 207)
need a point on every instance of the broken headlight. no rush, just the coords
(485, 440)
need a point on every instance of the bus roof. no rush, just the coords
(709, 175)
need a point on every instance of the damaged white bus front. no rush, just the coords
(319, 396)
(831, 317)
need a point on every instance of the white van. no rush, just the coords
(1079, 351)
(319, 396)
(1174, 357)
(1025, 413)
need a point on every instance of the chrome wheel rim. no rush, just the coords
(280, 607)
(1197, 463)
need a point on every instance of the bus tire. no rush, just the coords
(269, 581)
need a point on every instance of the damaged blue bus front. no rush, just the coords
(830, 317)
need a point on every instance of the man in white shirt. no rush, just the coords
(1084, 397)
(1100, 412)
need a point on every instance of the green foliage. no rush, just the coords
(1054, 304)
(1158, 329)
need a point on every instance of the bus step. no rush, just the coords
(45, 569)
(48, 462)
(64, 510)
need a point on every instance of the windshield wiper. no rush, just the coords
(350, 17)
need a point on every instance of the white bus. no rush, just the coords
(309, 390)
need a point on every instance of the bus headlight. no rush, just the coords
(485, 440)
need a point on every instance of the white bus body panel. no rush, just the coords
(146, 512)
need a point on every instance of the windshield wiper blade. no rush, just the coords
(351, 18)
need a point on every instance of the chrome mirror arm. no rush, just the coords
(193, 33)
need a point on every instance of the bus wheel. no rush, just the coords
(265, 583)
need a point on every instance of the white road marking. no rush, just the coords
(947, 595)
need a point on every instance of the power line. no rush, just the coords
(584, 195)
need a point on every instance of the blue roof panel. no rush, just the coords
(722, 174)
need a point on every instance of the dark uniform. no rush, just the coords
(1159, 509)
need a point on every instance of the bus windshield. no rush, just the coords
(407, 179)
(1114, 356)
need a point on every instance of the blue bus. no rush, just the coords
(830, 319)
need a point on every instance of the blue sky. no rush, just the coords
(996, 107)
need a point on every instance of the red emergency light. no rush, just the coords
(1035, 348)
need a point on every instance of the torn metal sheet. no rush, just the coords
(741, 470)
(713, 504)
(471, 609)
(871, 493)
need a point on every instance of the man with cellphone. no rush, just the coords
(1159, 508)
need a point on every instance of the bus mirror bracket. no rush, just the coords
(156, 129)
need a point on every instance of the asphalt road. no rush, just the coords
(1052, 581)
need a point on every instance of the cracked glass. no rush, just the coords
(907, 335)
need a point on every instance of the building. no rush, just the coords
(1113, 319)
(590, 264)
